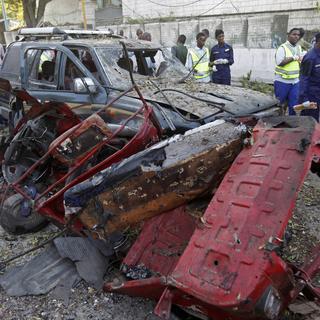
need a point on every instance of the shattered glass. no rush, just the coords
(166, 66)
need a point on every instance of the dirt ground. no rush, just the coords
(87, 303)
(302, 235)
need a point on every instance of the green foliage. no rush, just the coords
(14, 9)
(256, 85)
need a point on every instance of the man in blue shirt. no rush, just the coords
(222, 57)
(310, 80)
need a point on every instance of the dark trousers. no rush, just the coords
(226, 81)
(311, 113)
(287, 92)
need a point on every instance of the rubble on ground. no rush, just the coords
(303, 231)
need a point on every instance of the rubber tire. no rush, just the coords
(13, 222)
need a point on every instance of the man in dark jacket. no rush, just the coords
(309, 90)
(222, 57)
(180, 50)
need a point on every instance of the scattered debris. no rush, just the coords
(221, 269)
(59, 267)
(303, 231)
(219, 260)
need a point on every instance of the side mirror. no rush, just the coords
(83, 85)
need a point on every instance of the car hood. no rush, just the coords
(186, 96)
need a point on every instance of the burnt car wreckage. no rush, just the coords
(159, 152)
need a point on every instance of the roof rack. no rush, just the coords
(48, 32)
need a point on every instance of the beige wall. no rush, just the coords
(147, 9)
(69, 12)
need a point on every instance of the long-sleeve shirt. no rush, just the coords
(310, 77)
(222, 52)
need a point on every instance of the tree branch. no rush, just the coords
(32, 15)
(41, 8)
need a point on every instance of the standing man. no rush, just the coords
(180, 50)
(146, 36)
(209, 40)
(222, 57)
(198, 60)
(139, 34)
(305, 45)
(288, 58)
(150, 57)
(310, 80)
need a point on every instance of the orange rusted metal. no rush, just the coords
(182, 169)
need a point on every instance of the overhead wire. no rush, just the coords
(138, 14)
(174, 5)
(215, 6)
(234, 6)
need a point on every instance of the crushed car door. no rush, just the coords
(56, 74)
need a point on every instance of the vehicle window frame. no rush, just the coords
(43, 84)
(62, 73)
(120, 79)
(8, 56)
(99, 97)
(32, 60)
(103, 76)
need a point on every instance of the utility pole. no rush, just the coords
(83, 3)
(4, 15)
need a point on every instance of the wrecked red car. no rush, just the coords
(220, 259)
(48, 151)
(210, 199)
(213, 258)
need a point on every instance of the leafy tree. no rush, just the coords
(14, 9)
(26, 10)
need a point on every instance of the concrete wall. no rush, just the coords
(185, 8)
(108, 15)
(261, 30)
(259, 61)
(254, 36)
(62, 12)
(253, 27)
(59, 12)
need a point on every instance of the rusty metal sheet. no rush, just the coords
(230, 263)
(77, 143)
(161, 242)
(158, 179)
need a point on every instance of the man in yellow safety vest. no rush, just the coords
(198, 59)
(287, 70)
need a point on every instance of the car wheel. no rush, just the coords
(14, 222)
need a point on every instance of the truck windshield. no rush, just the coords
(145, 63)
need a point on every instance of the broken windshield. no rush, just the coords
(145, 63)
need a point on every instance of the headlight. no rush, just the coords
(269, 305)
